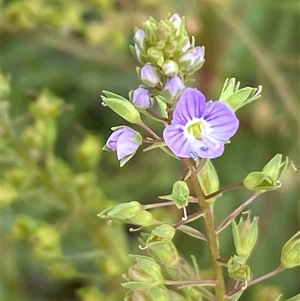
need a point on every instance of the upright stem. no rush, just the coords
(212, 238)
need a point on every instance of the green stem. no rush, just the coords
(224, 189)
(235, 213)
(212, 238)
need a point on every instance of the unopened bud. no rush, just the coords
(173, 88)
(192, 60)
(141, 98)
(169, 68)
(149, 75)
(124, 211)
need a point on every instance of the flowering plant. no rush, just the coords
(195, 131)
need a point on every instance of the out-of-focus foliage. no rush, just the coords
(57, 57)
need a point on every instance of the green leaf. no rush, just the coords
(122, 107)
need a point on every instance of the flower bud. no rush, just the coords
(169, 68)
(245, 236)
(125, 141)
(141, 98)
(173, 88)
(139, 39)
(238, 270)
(149, 75)
(121, 106)
(192, 60)
(180, 194)
(123, 211)
(290, 254)
(144, 219)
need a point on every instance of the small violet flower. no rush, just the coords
(173, 87)
(125, 141)
(149, 76)
(199, 128)
(141, 98)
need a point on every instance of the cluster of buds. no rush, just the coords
(166, 46)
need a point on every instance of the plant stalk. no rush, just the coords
(212, 238)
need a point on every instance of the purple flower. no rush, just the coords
(199, 128)
(173, 87)
(149, 75)
(125, 141)
(141, 98)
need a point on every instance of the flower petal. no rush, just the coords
(113, 138)
(221, 119)
(191, 105)
(126, 145)
(208, 148)
(176, 140)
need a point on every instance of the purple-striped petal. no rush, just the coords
(221, 119)
(178, 142)
(191, 105)
(208, 148)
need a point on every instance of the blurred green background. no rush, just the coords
(64, 53)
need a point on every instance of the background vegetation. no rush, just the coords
(57, 57)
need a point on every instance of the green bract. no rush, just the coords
(180, 194)
(290, 254)
(237, 98)
(245, 235)
(268, 178)
(122, 107)
(209, 180)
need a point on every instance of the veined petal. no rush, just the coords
(126, 145)
(177, 141)
(191, 105)
(208, 148)
(112, 140)
(221, 119)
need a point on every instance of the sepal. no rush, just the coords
(237, 98)
(122, 107)
(290, 254)
(268, 178)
